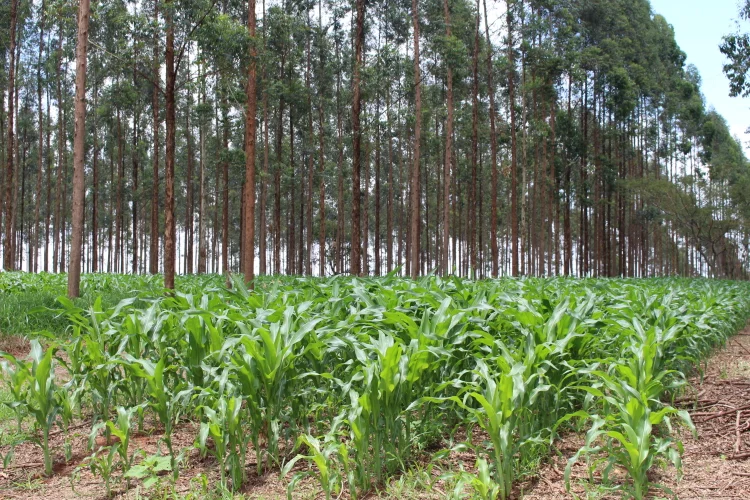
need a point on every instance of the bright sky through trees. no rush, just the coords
(698, 27)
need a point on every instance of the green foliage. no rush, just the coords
(360, 376)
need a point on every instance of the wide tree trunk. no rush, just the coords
(8, 243)
(248, 245)
(79, 150)
(169, 221)
(359, 42)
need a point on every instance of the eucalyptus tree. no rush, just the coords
(10, 154)
(79, 151)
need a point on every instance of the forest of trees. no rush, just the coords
(312, 137)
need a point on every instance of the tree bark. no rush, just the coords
(154, 240)
(513, 156)
(79, 151)
(95, 189)
(414, 192)
(448, 151)
(493, 149)
(40, 152)
(248, 245)
(474, 153)
(321, 156)
(8, 248)
(359, 42)
(169, 221)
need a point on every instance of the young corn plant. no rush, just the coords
(224, 424)
(121, 429)
(504, 398)
(44, 401)
(325, 456)
(167, 402)
(630, 396)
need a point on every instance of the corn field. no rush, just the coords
(347, 382)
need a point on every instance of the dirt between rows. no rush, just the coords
(716, 463)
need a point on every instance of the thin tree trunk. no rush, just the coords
(202, 243)
(321, 156)
(513, 156)
(310, 158)
(95, 189)
(225, 185)
(134, 154)
(154, 240)
(414, 194)
(493, 146)
(389, 209)
(474, 152)
(277, 176)
(448, 150)
(40, 152)
(60, 147)
(340, 165)
(119, 214)
(189, 215)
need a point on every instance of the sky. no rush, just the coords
(699, 26)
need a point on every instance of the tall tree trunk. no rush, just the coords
(48, 204)
(154, 240)
(513, 156)
(134, 155)
(277, 176)
(8, 248)
(376, 244)
(493, 146)
(119, 216)
(414, 194)
(40, 152)
(321, 154)
(262, 236)
(169, 221)
(60, 148)
(474, 152)
(310, 158)
(79, 151)
(389, 209)
(248, 246)
(202, 243)
(95, 189)
(359, 42)
(262, 225)
(189, 209)
(340, 166)
(448, 150)
(225, 185)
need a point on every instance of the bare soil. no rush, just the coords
(715, 464)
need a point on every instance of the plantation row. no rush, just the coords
(359, 377)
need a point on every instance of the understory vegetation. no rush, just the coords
(352, 381)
